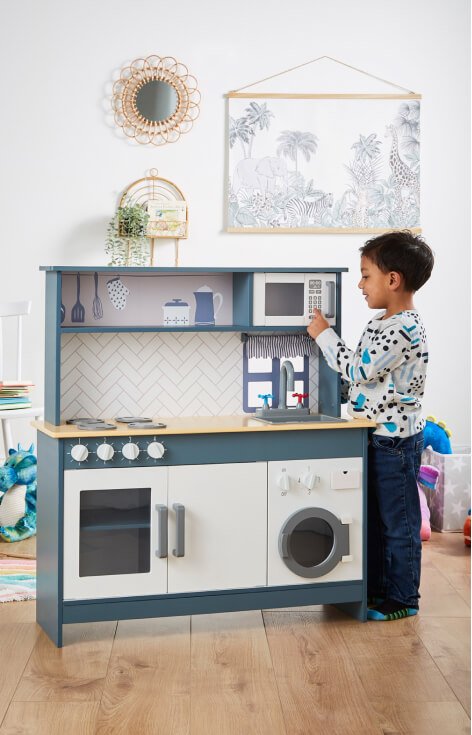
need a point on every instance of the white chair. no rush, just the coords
(12, 310)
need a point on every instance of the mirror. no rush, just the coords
(157, 100)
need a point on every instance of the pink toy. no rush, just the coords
(427, 477)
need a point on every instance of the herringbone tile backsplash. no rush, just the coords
(154, 374)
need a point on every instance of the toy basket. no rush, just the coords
(450, 501)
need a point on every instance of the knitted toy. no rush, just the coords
(437, 435)
(18, 495)
(427, 477)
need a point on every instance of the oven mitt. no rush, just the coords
(117, 292)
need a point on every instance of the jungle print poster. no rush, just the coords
(307, 165)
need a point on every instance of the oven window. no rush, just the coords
(115, 532)
(284, 299)
(311, 542)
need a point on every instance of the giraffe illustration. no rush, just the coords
(402, 174)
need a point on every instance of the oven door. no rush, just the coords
(111, 532)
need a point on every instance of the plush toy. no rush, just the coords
(437, 436)
(427, 477)
(18, 495)
(467, 530)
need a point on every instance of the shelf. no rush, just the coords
(115, 520)
(192, 328)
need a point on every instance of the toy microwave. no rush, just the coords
(288, 299)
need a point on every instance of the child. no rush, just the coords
(385, 378)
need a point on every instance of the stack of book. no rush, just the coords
(15, 394)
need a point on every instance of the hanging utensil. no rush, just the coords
(78, 311)
(97, 308)
(63, 312)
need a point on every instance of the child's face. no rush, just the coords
(376, 286)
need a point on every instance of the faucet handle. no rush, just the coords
(265, 397)
(300, 397)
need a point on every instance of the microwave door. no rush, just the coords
(280, 299)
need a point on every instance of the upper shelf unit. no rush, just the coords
(93, 299)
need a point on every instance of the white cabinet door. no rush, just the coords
(111, 532)
(225, 539)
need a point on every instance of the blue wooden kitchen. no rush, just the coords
(192, 457)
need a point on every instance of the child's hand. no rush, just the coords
(317, 325)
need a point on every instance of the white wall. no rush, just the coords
(63, 165)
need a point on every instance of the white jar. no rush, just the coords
(176, 313)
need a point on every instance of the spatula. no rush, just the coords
(78, 311)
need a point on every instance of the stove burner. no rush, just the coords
(145, 425)
(132, 419)
(93, 426)
(84, 421)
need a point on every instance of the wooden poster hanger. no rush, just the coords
(239, 93)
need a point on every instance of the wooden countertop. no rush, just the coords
(196, 425)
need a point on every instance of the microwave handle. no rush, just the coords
(331, 286)
(161, 551)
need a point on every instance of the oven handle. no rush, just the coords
(331, 295)
(161, 551)
(180, 537)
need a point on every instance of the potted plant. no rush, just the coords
(126, 242)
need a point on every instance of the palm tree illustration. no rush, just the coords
(241, 130)
(408, 124)
(366, 157)
(258, 117)
(293, 141)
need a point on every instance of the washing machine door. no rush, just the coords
(312, 542)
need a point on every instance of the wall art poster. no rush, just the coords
(304, 165)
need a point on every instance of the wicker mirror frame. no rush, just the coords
(133, 78)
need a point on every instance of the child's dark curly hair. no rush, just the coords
(403, 252)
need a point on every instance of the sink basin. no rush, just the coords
(301, 419)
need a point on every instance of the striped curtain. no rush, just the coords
(280, 345)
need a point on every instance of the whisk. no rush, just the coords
(97, 308)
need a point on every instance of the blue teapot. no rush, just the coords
(205, 312)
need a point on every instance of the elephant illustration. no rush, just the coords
(259, 173)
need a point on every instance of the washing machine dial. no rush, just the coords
(130, 451)
(79, 452)
(156, 450)
(310, 480)
(105, 452)
(284, 482)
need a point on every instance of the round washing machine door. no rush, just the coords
(312, 542)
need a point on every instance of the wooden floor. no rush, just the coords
(291, 672)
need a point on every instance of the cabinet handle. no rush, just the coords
(331, 292)
(161, 550)
(180, 537)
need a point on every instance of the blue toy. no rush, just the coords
(437, 436)
(18, 495)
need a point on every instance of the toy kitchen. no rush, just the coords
(192, 459)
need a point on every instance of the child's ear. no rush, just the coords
(395, 279)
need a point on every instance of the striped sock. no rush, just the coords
(391, 610)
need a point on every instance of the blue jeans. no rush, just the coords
(394, 518)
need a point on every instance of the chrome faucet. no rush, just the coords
(287, 382)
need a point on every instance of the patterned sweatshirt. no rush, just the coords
(385, 376)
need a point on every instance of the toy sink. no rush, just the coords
(293, 416)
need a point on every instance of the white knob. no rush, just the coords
(105, 452)
(79, 452)
(284, 481)
(310, 480)
(130, 450)
(156, 450)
